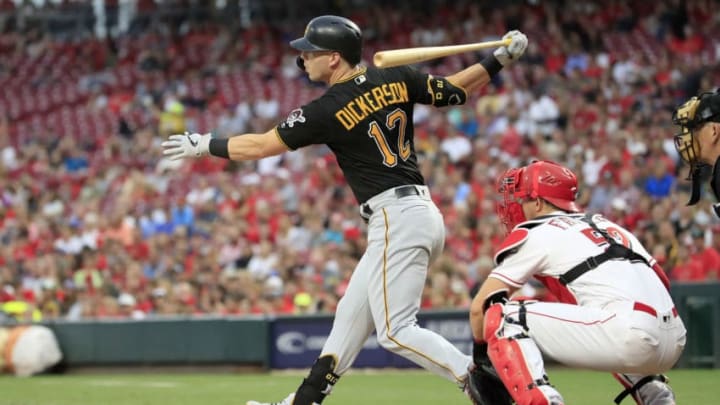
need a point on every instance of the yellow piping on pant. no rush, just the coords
(387, 318)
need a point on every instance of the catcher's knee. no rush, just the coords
(516, 357)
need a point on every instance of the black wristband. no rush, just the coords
(491, 64)
(219, 148)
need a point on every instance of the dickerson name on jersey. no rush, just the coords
(378, 97)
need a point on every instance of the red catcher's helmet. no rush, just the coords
(541, 179)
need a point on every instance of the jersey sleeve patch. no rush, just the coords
(295, 116)
(516, 238)
(305, 126)
(445, 93)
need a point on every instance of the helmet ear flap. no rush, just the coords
(528, 182)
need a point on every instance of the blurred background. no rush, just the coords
(96, 225)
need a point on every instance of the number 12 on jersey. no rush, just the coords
(395, 119)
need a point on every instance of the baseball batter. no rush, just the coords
(365, 118)
(615, 313)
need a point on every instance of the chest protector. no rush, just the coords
(613, 252)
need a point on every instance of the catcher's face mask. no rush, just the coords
(509, 206)
(691, 117)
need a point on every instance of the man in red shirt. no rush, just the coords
(705, 255)
(686, 268)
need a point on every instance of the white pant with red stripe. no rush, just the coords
(625, 337)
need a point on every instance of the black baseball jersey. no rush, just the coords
(367, 121)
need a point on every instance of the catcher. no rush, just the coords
(615, 313)
(698, 142)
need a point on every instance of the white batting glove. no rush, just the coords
(507, 55)
(186, 145)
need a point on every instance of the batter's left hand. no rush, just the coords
(186, 145)
(507, 55)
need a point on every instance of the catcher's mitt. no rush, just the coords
(484, 385)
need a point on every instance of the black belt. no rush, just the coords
(400, 192)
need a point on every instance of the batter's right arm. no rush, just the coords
(471, 78)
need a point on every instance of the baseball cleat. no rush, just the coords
(286, 401)
(553, 397)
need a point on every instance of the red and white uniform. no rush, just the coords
(617, 317)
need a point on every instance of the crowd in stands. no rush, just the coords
(94, 223)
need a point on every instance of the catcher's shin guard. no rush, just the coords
(318, 383)
(516, 357)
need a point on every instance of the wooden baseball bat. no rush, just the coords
(405, 56)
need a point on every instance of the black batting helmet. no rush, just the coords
(332, 33)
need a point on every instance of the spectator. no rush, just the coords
(659, 184)
(687, 268)
(705, 254)
(127, 307)
(172, 118)
(263, 261)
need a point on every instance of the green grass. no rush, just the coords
(693, 387)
